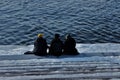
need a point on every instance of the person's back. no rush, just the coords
(40, 47)
(56, 46)
(69, 46)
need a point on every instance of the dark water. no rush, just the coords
(88, 21)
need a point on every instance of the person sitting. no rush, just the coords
(40, 46)
(69, 46)
(56, 46)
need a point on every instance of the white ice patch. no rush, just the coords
(91, 63)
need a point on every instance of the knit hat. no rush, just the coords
(40, 35)
(67, 36)
(57, 35)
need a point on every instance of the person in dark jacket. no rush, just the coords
(70, 46)
(40, 46)
(56, 46)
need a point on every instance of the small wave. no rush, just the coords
(87, 21)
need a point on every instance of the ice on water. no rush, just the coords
(95, 61)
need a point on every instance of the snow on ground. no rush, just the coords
(95, 62)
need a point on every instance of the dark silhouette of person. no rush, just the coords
(70, 46)
(56, 46)
(40, 46)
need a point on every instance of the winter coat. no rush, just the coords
(56, 47)
(40, 47)
(69, 47)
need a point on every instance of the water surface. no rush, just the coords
(88, 21)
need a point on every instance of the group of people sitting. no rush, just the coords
(56, 48)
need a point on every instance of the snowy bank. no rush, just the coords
(95, 62)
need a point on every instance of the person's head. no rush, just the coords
(40, 35)
(68, 36)
(57, 35)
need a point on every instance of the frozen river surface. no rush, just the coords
(95, 62)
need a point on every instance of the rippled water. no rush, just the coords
(89, 21)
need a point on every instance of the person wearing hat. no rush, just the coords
(56, 46)
(40, 46)
(69, 46)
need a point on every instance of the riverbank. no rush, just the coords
(17, 66)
